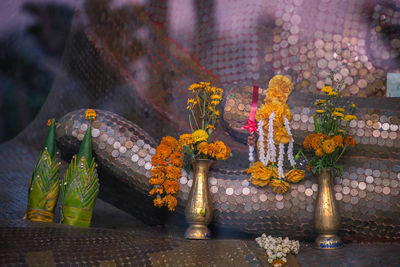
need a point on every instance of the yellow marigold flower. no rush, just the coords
(260, 175)
(170, 201)
(210, 126)
(333, 94)
(295, 175)
(329, 146)
(319, 102)
(199, 136)
(215, 102)
(320, 111)
(279, 186)
(158, 202)
(90, 114)
(338, 140)
(350, 117)
(281, 135)
(217, 97)
(281, 82)
(276, 94)
(185, 139)
(337, 114)
(326, 89)
(217, 113)
(339, 109)
(353, 105)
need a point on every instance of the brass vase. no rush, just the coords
(326, 214)
(199, 211)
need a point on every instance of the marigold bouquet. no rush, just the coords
(274, 133)
(171, 155)
(331, 138)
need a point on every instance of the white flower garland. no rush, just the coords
(271, 152)
(280, 160)
(261, 151)
(290, 146)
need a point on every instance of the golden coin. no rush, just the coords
(231, 102)
(346, 54)
(241, 107)
(228, 108)
(362, 83)
(363, 72)
(268, 57)
(303, 49)
(277, 39)
(320, 53)
(376, 125)
(319, 44)
(378, 83)
(310, 54)
(358, 65)
(353, 72)
(354, 89)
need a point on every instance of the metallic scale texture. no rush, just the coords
(137, 59)
(367, 193)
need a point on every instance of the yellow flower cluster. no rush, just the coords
(199, 136)
(166, 171)
(262, 176)
(213, 93)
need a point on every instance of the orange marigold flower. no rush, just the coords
(156, 191)
(349, 141)
(316, 142)
(158, 202)
(329, 146)
(49, 122)
(155, 180)
(338, 140)
(169, 141)
(176, 158)
(158, 172)
(185, 139)
(172, 172)
(307, 143)
(171, 187)
(157, 160)
(90, 114)
(275, 93)
(204, 148)
(170, 201)
(219, 150)
(319, 152)
(163, 151)
(308, 167)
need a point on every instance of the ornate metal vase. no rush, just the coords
(326, 214)
(199, 211)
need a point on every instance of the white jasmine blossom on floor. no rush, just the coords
(278, 248)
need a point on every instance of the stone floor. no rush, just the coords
(116, 238)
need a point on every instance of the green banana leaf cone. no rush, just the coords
(43, 186)
(80, 186)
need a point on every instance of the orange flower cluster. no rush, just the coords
(323, 144)
(217, 150)
(166, 171)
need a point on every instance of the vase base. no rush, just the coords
(197, 231)
(328, 242)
